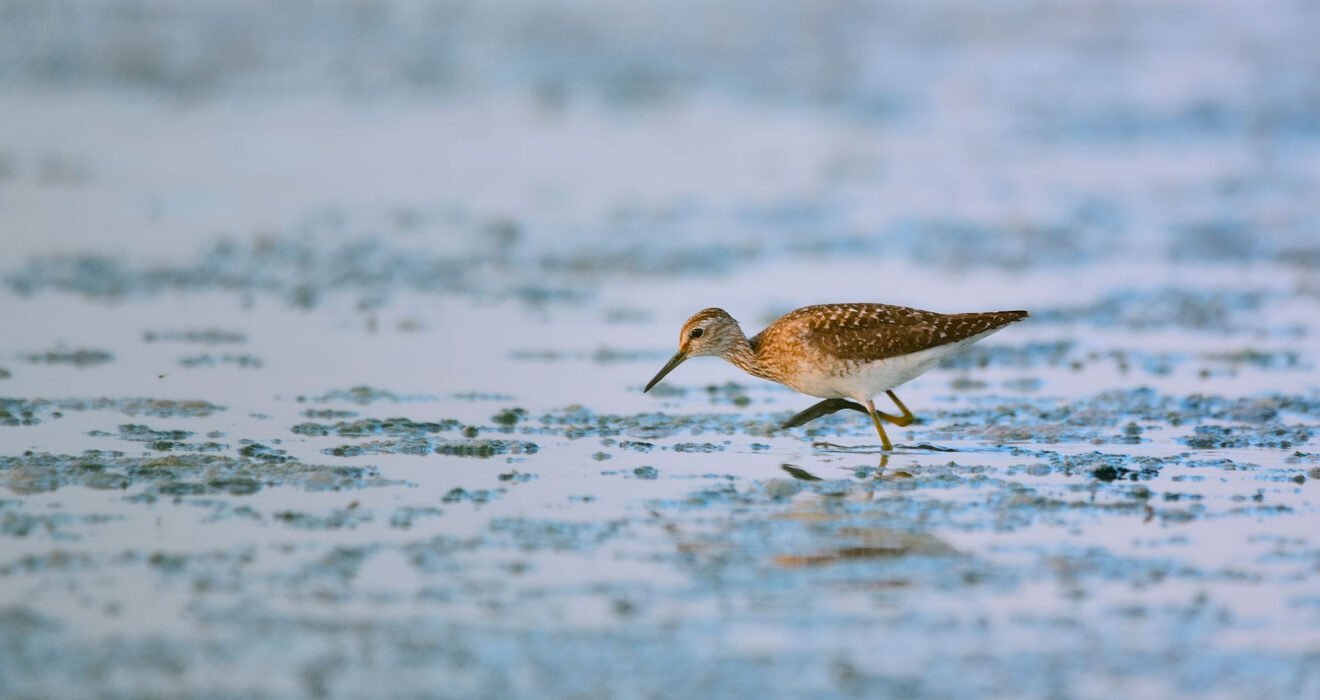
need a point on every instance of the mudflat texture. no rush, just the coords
(325, 326)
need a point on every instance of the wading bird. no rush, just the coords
(839, 351)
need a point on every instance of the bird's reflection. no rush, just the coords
(870, 543)
(838, 532)
(803, 475)
(850, 542)
(879, 474)
(799, 474)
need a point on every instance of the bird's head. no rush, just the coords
(708, 332)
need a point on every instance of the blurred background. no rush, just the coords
(946, 133)
(261, 224)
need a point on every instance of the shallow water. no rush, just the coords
(315, 389)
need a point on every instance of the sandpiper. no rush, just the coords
(839, 351)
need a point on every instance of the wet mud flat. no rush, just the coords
(1067, 515)
(575, 552)
(271, 429)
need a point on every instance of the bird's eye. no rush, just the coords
(696, 333)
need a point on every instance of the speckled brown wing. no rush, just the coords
(869, 332)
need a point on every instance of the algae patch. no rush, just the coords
(80, 358)
(1205, 437)
(363, 394)
(177, 474)
(374, 426)
(199, 336)
(241, 361)
(15, 411)
(423, 446)
(159, 440)
(1096, 419)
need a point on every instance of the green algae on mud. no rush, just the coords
(378, 268)
(420, 446)
(80, 358)
(15, 523)
(1030, 354)
(160, 440)
(1096, 419)
(1066, 354)
(1187, 309)
(578, 422)
(241, 361)
(1118, 416)
(177, 474)
(403, 427)
(259, 266)
(363, 394)
(200, 336)
(417, 438)
(509, 416)
(14, 411)
(1209, 437)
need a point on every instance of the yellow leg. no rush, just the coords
(885, 444)
(901, 421)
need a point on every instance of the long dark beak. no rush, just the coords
(673, 362)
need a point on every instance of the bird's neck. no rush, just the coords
(743, 356)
